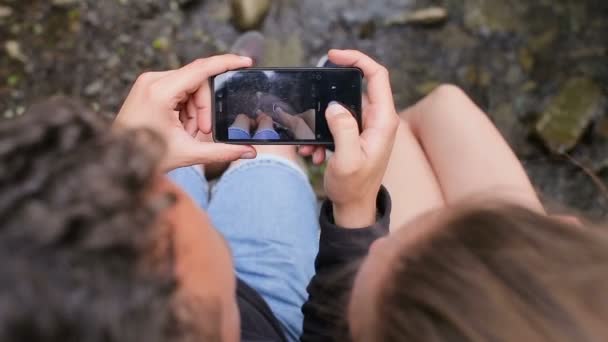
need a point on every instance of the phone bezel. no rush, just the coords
(357, 111)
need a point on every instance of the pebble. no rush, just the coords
(13, 49)
(569, 114)
(93, 88)
(161, 43)
(425, 16)
(249, 14)
(113, 61)
(486, 17)
(5, 12)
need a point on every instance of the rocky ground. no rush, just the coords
(539, 68)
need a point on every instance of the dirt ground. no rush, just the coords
(539, 68)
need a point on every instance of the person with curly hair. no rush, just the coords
(111, 232)
(99, 244)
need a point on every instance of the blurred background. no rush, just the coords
(538, 67)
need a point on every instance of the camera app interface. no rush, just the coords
(266, 105)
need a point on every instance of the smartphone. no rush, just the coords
(281, 105)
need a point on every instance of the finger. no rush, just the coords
(177, 85)
(569, 219)
(204, 153)
(306, 150)
(191, 125)
(202, 102)
(379, 87)
(364, 101)
(345, 131)
(318, 156)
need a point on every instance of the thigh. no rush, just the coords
(192, 180)
(267, 211)
(410, 180)
(466, 151)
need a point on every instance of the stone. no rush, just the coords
(5, 12)
(601, 127)
(568, 114)
(425, 16)
(529, 86)
(113, 61)
(249, 14)
(505, 119)
(93, 88)
(161, 43)
(13, 50)
(367, 30)
(526, 60)
(13, 80)
(542, 42)
(284, 53)
(490, 16)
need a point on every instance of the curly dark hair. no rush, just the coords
(80, 233)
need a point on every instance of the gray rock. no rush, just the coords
(13, 50)
(249, 14)
(425, 16)
(93, 88)
(569, 114)
(5, 12)
(490, 16)
(287, 53)
(113, 61)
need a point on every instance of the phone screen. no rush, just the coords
(282, 106)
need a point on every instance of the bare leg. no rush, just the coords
(264, 121)
(466, 152)
(410, 180)
(243, 122)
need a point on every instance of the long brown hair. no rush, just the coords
(505, 274)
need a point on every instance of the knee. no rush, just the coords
(449, 93)
(449, 99)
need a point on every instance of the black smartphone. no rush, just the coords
(281, 105)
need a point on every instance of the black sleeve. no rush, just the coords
(336, 265)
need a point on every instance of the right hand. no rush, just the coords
(354, 174)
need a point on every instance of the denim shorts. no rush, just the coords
(267, 211)
(236, 133)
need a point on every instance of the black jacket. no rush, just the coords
(336, 265)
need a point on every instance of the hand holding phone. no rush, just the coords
(283, 105)
(355, 172)
(177, 105)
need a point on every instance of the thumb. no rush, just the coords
(207, 152)
(345, 131)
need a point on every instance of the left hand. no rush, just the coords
(177, 104)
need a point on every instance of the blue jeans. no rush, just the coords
(267, 211)
(236, 133)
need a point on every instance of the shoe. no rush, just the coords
(249, 44)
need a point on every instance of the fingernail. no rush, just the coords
(248, 155)
(334, 108)
(247, 59)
